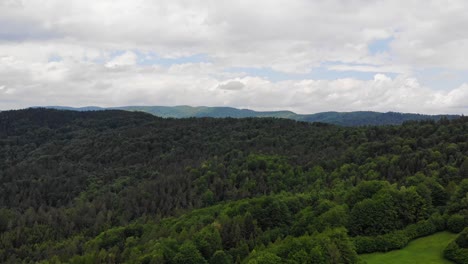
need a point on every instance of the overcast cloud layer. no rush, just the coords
(305, 56)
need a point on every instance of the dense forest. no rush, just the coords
(128, 187)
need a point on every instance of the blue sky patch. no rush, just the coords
(55, 58)
(380, 46)
(147, 59)
(440, 78)
(319, 73)
(154, 59)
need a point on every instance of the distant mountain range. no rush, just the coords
(358, 118)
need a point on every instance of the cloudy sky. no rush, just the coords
(301, 55)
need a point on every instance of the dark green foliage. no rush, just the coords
(374, 217)
(456, 254)
(116, 186)
(459, 202)
(382, 243)
(464, 169)
(457, 251)
(462, 239)
(456, 223)
(272, 213)
(220, 257)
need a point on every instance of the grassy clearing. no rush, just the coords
(425, 250)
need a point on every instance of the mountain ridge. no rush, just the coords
(354, 118)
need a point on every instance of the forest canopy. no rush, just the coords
(128, 187)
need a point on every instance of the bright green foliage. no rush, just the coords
(389, 209)
(365, 190)
(333, 218)
(188, 254)
(208, 241)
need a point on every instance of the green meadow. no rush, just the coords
(425, 250)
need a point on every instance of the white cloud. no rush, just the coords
(231, 86)
(80, 84)
(127, 59)
(290, 37)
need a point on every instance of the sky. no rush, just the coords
(306, 56)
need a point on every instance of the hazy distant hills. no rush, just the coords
(358, 118)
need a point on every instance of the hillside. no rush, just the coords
(359, 118)
(128, 187)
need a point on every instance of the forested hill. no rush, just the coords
(129, 187)
(359, 118)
